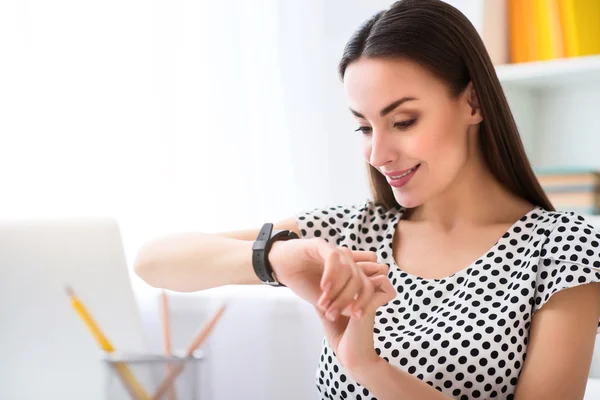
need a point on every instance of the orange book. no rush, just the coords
(522, 31)
(517, 48)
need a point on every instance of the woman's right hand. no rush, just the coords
(310, 267)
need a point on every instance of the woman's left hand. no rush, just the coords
(350, 336)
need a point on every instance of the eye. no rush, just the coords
(364, 129)
(403, 125)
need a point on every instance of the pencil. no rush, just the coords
(166, 325)
(197, 341)
(134, 388)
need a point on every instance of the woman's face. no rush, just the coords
(413, 131)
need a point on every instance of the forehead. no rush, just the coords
(378, 81)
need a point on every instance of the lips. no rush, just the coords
(399, 174)
(398, 179)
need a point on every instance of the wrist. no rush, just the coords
(368, 369)
(274, 259)
(261, 252)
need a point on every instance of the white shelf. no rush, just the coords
(552, 73)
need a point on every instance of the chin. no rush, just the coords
(408, 200)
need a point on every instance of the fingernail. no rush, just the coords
(325, 304)
(358, 314)
(322, 300)
(332, 315)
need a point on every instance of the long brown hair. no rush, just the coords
(440, 38)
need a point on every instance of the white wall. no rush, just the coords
(325, 146)
(569, 126)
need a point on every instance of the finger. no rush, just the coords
(328, 254)
(349, 292)
(372, 268)
(366, 270)
(365, 296)
(359, 255)
(336, 275)
(320, 249)
(366, 287)
(384, 291)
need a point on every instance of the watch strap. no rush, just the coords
(260, 252)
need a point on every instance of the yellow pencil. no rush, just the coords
(134, 388)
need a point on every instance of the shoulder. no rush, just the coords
(562, 336)
(569, 255)
(570, 237)
(334, 223)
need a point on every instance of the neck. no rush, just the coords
(475, 198)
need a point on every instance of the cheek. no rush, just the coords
(445, 145)
(423, 148)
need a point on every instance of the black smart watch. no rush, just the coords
(260, 252)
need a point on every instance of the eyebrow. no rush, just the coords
(387, 109)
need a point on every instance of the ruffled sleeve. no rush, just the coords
(569, 257)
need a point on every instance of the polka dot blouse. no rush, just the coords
(466, 334)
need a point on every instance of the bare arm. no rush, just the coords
(189, 262)
(389, 382)
(561, 346)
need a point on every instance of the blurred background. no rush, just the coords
(211, 116)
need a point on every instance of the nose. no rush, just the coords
(381, 149)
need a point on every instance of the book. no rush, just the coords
(569, 27)
(570, 179)
(541, 30)
(573, 189)
(580, 26)
(522, 31)
(496, 31)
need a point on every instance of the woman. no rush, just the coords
(442, 284)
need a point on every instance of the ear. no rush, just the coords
(472, 102)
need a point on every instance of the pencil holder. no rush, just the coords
(152, 377)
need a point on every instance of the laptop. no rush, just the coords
(46, 351)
